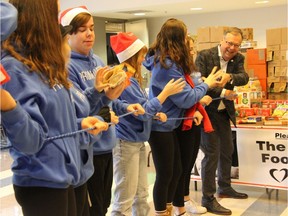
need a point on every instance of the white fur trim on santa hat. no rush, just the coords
(130, 51)
(68, 15)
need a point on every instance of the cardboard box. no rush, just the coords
(283, 63)
(284, 35)
(281, 72)
(274, 63)
(283, 46)
(276, 55)
(271, 71)
(283, 55)
(203, 34)
(259, 70)
(273, 47)
(273, 79)
(273, 36)
(202, 46)
(256, 56)
(247, 33)
(248, 45)
(217, 33)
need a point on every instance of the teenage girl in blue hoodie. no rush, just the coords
(168, 58)
(130, 166)
(84, 101)
(83, 67)
(36, 104)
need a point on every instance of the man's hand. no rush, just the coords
(230, 95)
(226, 77)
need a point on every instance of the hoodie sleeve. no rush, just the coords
(8, 15)
(185, 99)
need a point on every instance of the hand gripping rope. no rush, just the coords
(83, 130)
(92, 128)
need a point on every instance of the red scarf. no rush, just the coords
(187, 123)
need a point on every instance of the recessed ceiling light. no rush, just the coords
(195, 9)
(139, 14)
(261, 2)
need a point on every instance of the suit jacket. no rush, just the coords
(205, 61)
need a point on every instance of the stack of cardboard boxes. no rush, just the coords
(277, 57)
(210, 36)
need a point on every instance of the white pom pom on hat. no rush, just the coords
(68, 15)
(125, 45)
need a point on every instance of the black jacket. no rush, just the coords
(205, 61)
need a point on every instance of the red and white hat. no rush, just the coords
(125, 45)
(68, 15)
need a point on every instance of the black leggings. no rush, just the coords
(166, 157)
(100, 184)
(189, 142)
(81, 196)
(43, 201)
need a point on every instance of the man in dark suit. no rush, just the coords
(218, 145)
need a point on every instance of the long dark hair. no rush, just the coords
(37, 40)
(171, 42)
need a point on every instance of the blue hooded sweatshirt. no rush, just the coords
(83, 101)
(8, 18)
(135, 128)
(41, 112)
(174, 106)
(82, 70)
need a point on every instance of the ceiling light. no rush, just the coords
(139, 14)
(195, 9)
(261, 2)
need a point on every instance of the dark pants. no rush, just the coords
(166, 157)
(189, 142)
(218, 148)
(82, 200)
(43, 201)
(235, 162)
(100, 184)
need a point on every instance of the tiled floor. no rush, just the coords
(260, 201)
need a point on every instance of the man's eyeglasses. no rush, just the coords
(230, 44)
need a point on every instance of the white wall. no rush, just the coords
(99, 47)
(259, 19)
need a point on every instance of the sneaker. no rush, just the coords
(192, 207)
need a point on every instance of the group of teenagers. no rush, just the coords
(73, 132)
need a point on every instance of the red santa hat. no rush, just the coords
(68, 15)
(125, 45)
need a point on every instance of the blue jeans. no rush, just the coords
(130, 177)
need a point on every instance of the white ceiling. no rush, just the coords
(122, 9)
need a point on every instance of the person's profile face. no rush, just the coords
(83, 40)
